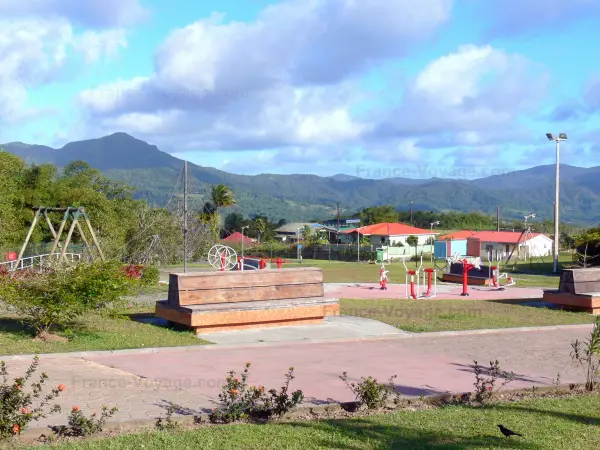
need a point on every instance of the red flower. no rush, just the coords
(18, 386)
(16, 429)
(75, 408)
(489, 388)
(61, 387)
(24, 411)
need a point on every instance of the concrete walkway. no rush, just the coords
(142, 382)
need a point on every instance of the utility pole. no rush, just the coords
(338, 216)
(557, 139)
(411, 214)
(185, 230)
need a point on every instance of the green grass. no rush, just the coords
(548, 424)
(454, 315)
(94, 332)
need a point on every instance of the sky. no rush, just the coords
(369, 88)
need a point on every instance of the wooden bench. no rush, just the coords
(231, 300)
(579, 290)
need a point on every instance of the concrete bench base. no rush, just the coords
(473, 281)
(589, 303)
(208, 318)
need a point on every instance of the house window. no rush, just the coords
(507, 248)
(383, 240)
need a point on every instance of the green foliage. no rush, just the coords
(379, 214)
(587, 354)
(587, 245)
(369, 392)
(16, 405)
(412, 241)
(80, 425)
(241, 401)
(57, 295)
(150, 276)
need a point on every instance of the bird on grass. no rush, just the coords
(508, 433)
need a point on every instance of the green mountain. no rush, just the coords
(304, 197)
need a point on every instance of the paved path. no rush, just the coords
(141, 382)
(444, 292)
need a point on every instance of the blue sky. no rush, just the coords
(375, 88)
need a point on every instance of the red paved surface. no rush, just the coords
(447, 292)
(424, 365)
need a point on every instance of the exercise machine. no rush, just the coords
(383, 278)
(416, 279)
(495, 275)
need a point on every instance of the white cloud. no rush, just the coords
(473, 94)
(34, 49)
(286, 79)
(96, 45)
(86, 13)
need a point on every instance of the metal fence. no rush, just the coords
(331, 252)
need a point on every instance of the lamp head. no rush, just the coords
(549, 136)
(562, 136)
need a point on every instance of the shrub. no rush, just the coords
(485, 387)
(369, 392)
(56, 295)
(241, 401)
(150, 276)
(80, 425)
(16, 406)
(587, 354)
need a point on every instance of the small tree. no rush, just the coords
(587, 354)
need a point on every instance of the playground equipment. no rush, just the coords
(415, 284)
(468, 263)
(222, 257)
(383, 277)
(75, 214)
(496, 276)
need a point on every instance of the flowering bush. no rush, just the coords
(241, 401)
(146, 275)
(16, 406)
(57, 295)
(485, 387)
(369, 392)
(80, 425)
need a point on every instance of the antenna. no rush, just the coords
(185, 230)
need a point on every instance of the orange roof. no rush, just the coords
(388, 229)
(464, 234)
(503, 237)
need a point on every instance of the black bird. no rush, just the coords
(508, 433)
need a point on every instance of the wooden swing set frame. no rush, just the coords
(73, 213)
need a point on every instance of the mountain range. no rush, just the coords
(154, 174)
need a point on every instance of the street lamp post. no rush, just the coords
(247, 226)
(437, 222)
(561, 137)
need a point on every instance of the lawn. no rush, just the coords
(453, 315)
(94, 332)
(549, 423)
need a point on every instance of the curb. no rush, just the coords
(389, 337)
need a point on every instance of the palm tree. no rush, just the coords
(260, 225)
(221, 196)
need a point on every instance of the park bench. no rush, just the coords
(233, 300)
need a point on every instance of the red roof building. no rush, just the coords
(503, 237)
(388, 229)
(238, 238)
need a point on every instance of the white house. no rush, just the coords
(502, 243)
